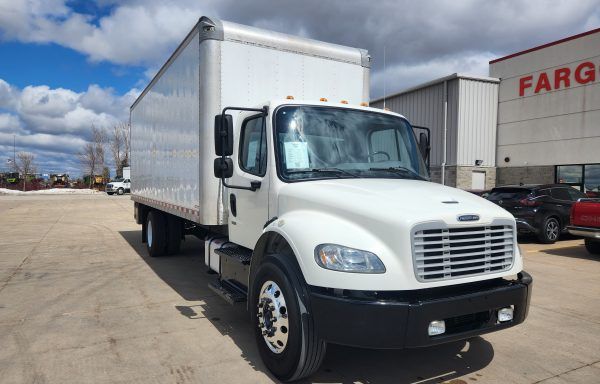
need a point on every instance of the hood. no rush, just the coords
(401, 201)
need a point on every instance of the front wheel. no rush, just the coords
(120, 191)
(284, 329)
(592, 246)
(550, 231)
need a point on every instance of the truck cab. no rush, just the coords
(338, 198)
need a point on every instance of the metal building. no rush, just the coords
(461, 111)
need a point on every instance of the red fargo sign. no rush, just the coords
(584, 73)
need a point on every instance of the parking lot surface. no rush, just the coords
(81, 302)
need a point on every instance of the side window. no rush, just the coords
(575, 194)
(253, 147)
(561, 194)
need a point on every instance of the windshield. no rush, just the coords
(328, 142)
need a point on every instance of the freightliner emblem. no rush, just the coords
(468, 218)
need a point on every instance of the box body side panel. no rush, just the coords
(165, 135)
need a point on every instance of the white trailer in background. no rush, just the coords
(316, 210)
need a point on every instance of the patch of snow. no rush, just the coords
(51, 191)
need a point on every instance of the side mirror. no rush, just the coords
(424, 145)
(223, 167)
(223, 135)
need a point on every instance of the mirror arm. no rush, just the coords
(254, 185)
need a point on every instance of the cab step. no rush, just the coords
(228, 291)
(236, 252)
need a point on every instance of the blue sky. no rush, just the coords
(57, 66)
(68, 65)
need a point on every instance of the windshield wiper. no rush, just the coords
(337, 171)
(400, 169)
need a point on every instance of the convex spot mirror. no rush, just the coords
(424, 145)
(223, 167)
(223, 135)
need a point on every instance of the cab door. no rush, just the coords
(249, 210)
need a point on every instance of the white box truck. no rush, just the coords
(316, 210)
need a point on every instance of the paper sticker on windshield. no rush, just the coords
(296, 155)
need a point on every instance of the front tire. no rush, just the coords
(592, 246)
(550, 231)
(284, 329)
(120, 191)
(156, 234)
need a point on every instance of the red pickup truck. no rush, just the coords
(585, 221)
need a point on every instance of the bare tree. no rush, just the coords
(119, 146)
(92, 155)
(127, 142)
(25, 165)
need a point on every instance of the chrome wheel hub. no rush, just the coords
(552, 230)
(273, 317)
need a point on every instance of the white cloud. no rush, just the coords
(54, 123)
(7, 95)
(402, 76)
(9, 123)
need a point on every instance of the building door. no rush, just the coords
(478, 180)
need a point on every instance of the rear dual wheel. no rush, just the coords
(284, 329)
(163, 234)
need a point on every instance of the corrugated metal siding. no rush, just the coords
(472, 118)
(425, 107)
(477, 121)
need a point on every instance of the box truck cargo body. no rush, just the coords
(316, 210)
(225, 65)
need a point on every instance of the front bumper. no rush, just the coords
(589, 232)
(400, 319)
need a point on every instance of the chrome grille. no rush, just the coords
(447, 253)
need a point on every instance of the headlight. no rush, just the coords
(344, 259)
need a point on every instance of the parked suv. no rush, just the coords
(543, 210)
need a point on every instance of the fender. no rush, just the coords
(326, 228)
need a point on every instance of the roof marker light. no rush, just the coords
(323, 99)
(364, 104)
(344, 101)
(289, 97)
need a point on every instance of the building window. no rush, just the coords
(569, 174)
(591, 179)
(585, 177)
